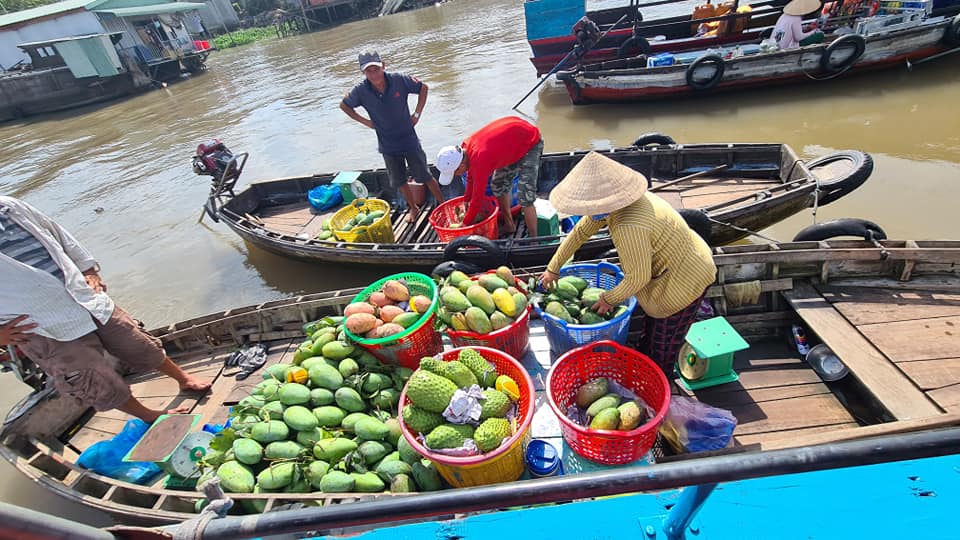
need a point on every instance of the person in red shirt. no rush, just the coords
(503, 148)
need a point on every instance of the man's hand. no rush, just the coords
(94, 281)
(548, 279)
(414, 118)
(601, 307)
(13, 332)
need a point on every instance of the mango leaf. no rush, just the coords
(223, 441)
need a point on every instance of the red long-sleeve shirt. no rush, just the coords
(498, 144)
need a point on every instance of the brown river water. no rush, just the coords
(278, 100)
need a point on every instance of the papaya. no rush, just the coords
(477, 320)
(588, 316)
(504, 302)
(506, 275)
(456, 277)
(481, 298)
(566, 290)
(520, 302)
(454, 301)
(557, 310)
(576, 281)
(459, 321)
(498, 320)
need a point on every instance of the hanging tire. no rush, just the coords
(852, 45)
(860, 228)
(445, 268)
(633, 46)
(492, 254)
(713, 64)
(698, 221)
(858, 166)
(951, 35)
(653, 137)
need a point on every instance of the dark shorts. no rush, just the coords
(528, 167)
(80, 368)
(412, 162)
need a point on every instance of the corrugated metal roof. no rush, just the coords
(153, 9)
(42, 11)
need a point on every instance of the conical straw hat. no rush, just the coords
(597, 185)
(801, 7)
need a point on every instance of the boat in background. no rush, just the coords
(724, 190)
(895, 36)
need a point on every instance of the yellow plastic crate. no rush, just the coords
(378, 232)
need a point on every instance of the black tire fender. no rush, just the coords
(847, 41)
(653, 137)
(445, 268)
(861, 228)
(633, 42)
(493, 256)
(698, 221)
(951, 35)
(831, 189)
(705, 84)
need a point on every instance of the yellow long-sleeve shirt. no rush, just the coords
(666, 265)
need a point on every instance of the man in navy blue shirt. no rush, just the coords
(384, 96)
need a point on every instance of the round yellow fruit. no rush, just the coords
(508, 386)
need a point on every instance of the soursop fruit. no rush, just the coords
(444, 436)
(420, 420)
(430, 391)
(491, 433)
(455, 371)
(495, 404)
(484, 371)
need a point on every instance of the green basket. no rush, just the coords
(421, 339)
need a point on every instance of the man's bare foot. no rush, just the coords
(151, 415)
(193, 384)
(412, 215)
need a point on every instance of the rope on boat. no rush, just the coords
(218, 506)
(743, 230)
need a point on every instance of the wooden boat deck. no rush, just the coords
(299, 220)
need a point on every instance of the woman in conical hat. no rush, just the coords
(666, 265)
(788, 31)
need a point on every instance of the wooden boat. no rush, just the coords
(740, 188)
(549, 26)
(889, 310)
(891, 40)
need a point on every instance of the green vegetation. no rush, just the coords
(244, 37)
(20, 5)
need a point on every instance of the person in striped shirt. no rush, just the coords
(666, 265)
(54, 307)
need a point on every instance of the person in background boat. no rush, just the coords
(788, 32)
(665, 264)
(503, 148)
(54, 307)
(384, 96)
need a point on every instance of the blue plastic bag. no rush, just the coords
(694, 426)
(106, 457)
(325, 197)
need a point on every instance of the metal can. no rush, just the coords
(543, 459)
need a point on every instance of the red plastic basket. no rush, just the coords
(506, 463)
(632, 370)
(445, 214)
(512, 339)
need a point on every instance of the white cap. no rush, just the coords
(448, 160)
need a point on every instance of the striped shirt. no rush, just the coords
(18, 244)
(665, 264)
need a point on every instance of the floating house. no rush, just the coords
(77, 52)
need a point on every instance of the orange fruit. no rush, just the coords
(508, 386)
(297, 375)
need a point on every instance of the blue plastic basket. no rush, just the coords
(564, 336)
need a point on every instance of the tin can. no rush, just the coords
(543, 459)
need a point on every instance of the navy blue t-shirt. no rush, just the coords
(389, 111)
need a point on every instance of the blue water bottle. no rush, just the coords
(543, 459)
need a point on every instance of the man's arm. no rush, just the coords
(352, 113)
(71, 246)
(477, 180)
(421, 102)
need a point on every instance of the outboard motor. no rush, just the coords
(587, 34)
(213, 158)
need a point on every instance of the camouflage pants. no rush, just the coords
(528, 168)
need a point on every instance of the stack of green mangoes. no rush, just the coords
(571, 300)
(431, 388)
(325, 422)
(482, 303)
(362, 219)
(386, 312)
(608, 410)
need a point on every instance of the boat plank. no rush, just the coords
(933, 374)
(788, 414)
(160, 385)
(860, 432)
(796, 437)
(888, 384)
(672, 197)
(948, 398)
(861, 306)
(86, 436)
(704, 200)
(919, 339)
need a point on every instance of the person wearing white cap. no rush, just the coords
(504, 148)
(384, 96)
(666, 265)
(788, 32)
